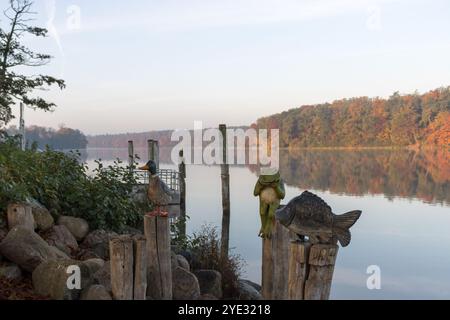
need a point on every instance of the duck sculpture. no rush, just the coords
(158, 192)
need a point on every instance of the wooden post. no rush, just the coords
(153, 152)
(130, 156)
(140, 268)
(121, 255)
(22, 127)
(225, 177)
(20, 215)
(182, 172)
(159, 270)
(311, 270)
(275, 268)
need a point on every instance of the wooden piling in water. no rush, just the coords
(275, 252)
(121, 259)
(130, 155)
(311, 269)
(182, 172)
(153, 151)
(225, 178)
(159, 271)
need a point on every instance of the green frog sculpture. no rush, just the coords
(270, 190)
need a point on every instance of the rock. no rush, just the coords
(20, 215)
(61, 238)
(185, 285)
(10, 271)
(94, 264)
(84, 255)
(42, 217)
(254, 285)
(26, 248)
(59, 254)
(78, 227)
(103, 276)
(210, 282)
(96, 292)
(3, 234)
(247, 291)
(132, 231)
(51, 279)
(97, 242)
(173, 261)
(207, 297)
(183, 263)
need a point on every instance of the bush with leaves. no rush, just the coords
(63, 185)
(204, 248)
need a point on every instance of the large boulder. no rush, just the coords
(42, 217)
(53, 279)
(185, 285)
(61, 238)
(96, 292)
(210, 282)
(10, 271)
(97, 243)
(103, 276)
(77, 226)
(26, 248)
(182, 262)
(94, 264)
(248, 290)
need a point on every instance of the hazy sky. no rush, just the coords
(141, 65)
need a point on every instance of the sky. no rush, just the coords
(140, 65)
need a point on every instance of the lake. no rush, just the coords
(404, 228)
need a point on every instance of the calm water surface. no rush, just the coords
(404, 229)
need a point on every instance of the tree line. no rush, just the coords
(61, 138)
(400, 120)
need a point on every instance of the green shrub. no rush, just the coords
(62, 184)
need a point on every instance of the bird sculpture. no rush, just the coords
(158, 192)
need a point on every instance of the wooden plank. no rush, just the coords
(153, 151)
(164, 255)
(140, 268)
(121, 255)
(182, 171)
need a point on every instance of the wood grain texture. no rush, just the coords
(121, 253)
(140, 268)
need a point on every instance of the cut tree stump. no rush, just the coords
(275, 264)
(122, 262)
(20, 215)
(311, 269)
(159, 271)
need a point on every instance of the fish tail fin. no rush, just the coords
(342, 225)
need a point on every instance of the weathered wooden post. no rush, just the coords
(182, 172)
(22, 127)
(153, 151)
(159, 271)
(20, 215)
(225, 177)
(140, 268)
(121, 255)
(274, 285)
(311, 270)
(130, 156)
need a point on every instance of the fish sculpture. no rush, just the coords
(308, 215)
